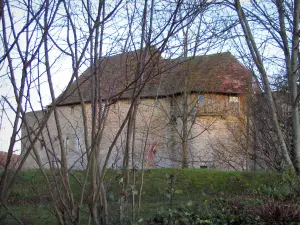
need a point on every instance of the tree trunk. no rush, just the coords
(293, 75)
(260, 66)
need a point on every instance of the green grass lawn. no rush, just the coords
(210, 194)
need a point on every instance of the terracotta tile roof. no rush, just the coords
(218, 73)
(14, 160)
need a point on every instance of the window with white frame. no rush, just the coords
(233, 99)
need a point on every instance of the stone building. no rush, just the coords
(203, 96)
(14, 160)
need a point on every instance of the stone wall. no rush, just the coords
(156, 125)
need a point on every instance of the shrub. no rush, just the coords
(274, 212)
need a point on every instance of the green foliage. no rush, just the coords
(211, 192)
(216, 212)
(287, 188)
(29, 214)
(277, 212)
(196, 182)
(179, 215)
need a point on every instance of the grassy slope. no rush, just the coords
(29, 196)
(199, 185)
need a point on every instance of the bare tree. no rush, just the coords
(279, 22)
(54, 31)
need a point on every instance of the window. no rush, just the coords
(115, 105)
(206, 164)
(200, 100)
(78, 144)
(173, 120)
(172, 112)
(209, 104)
(200, 104)
(66, 144)
(43, 145)
(234, 105)
(233, 99)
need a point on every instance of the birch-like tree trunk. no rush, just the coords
(293, 76)
(281, 37)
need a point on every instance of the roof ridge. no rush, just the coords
(132, 51)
